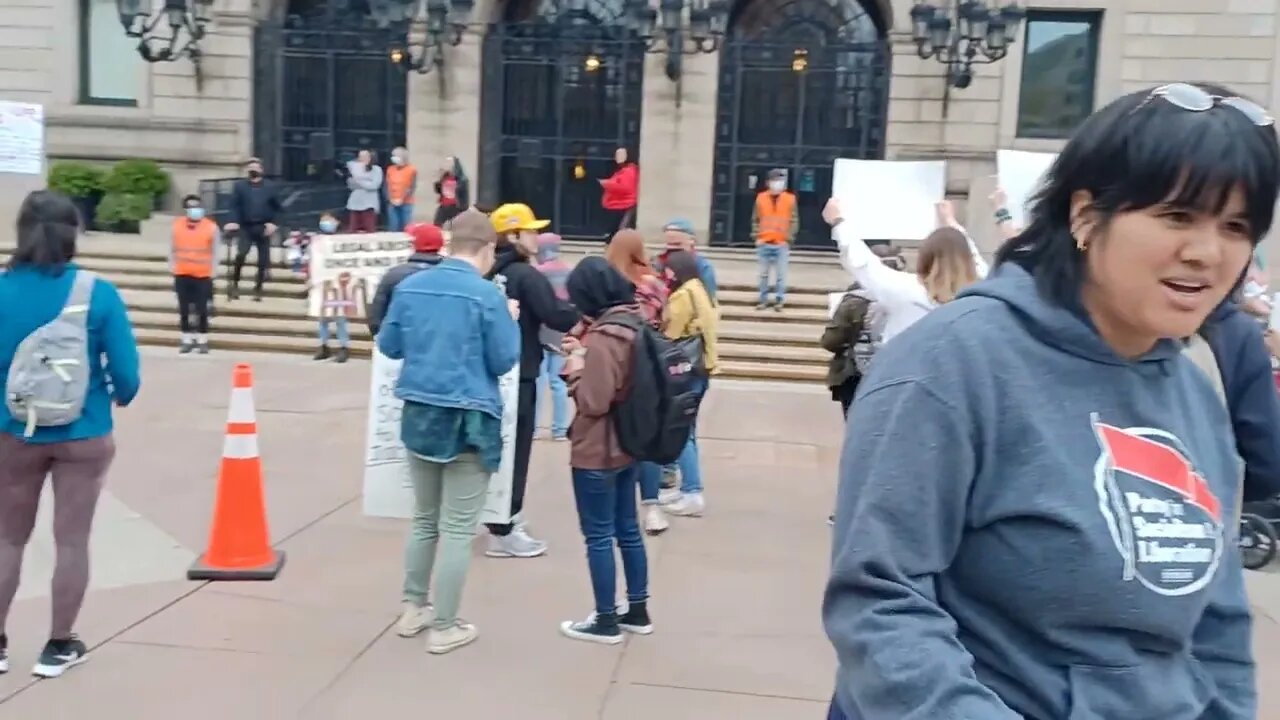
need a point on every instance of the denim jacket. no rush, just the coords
(453, 331)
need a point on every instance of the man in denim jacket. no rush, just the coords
(457, 334)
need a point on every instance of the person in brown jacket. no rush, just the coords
(598, 369)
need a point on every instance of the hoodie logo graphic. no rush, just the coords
(1163, 517)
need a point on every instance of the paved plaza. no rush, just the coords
(735, 595)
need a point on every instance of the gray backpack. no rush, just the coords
(49, 376)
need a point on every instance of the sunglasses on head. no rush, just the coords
(1191, 98)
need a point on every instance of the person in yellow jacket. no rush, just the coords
(690, 312)
(192, 258)
(775, 220)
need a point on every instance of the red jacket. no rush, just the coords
(621, 188)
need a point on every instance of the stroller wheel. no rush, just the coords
(1258, 544)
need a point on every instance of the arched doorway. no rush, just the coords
(802, 82)
(324, 86)
(562, 88)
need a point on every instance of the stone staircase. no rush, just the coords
(766, 345)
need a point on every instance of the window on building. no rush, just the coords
(110, 67)
(1059, 69)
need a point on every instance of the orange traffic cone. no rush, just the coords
(239, 544)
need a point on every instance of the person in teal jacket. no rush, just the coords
(33, 290)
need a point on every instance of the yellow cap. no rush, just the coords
(516, 216)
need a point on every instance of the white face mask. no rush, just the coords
(1252, 289)
(397, 160)
(777, 185)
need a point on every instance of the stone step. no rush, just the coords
(305, 330)
(220, 341)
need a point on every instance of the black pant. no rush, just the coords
(194, 294)
(445, 213)
(845, 394)
(615, 220)
(252, 237)
(526, 419)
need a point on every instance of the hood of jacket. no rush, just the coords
(504, 257)
(1068, 329)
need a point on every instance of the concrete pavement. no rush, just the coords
(735, 594)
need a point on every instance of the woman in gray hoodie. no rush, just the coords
(364, 178)
(1043, 522)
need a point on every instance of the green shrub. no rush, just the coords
(76, 179)
(118, 209)
(137, 177)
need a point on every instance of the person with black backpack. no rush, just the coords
(602, 370)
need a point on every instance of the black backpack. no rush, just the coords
(654, 420)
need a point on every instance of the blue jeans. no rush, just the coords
(549, 376)
(399, 216)
(341, 322)
(606, 501)
(773, 257)
(688, 462)
(650, 482)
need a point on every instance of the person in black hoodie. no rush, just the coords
(1254, 406)
(427, 242)
(518, 230)
(453, 191)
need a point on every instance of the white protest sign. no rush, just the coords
(1019, 174)
(888, 200)
(388, 491)
(21, 138)
(346, 269)
(833, 302)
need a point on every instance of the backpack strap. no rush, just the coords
(1200, 352)
(76, 309)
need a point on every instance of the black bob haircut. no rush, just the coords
(1131, 156)
(188, 199)
(48, 224)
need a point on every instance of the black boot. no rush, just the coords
(322, 353)
(341, 357)
(636, 620)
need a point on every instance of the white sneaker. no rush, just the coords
(669, 496)
(413, 619)
(655, 521)
(462, 633)
(691, 505)
(519, 544)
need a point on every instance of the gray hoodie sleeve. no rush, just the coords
(1222, 641)
(905, 476)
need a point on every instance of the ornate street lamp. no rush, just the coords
(433, 24)
(186, 19)
(979, 35)
(678, 27)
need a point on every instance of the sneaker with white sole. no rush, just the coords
(669, 496)
(441, 641)
(518, 544)
(4, 654)
(691, 505)
(655, 521)
(602, 629)
(60, 656)
(413, 619)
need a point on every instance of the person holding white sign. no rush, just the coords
(457, 335)
(948, 261)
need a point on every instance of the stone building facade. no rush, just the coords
(62, 53)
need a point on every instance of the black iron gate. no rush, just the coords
(802, 82)
(561, 92)
(325, 87)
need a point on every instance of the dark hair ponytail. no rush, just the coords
(48, 225)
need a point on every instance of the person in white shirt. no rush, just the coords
(948, 261)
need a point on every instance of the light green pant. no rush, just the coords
(448, 499)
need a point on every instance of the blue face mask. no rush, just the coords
(195, 214)
(328, 226)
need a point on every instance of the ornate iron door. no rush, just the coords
(802, 82)
(561, 91)
(325, 87)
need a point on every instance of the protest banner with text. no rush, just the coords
(346, 269)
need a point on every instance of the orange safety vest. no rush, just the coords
(193, 247)
(400, 183)
(773, 216)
